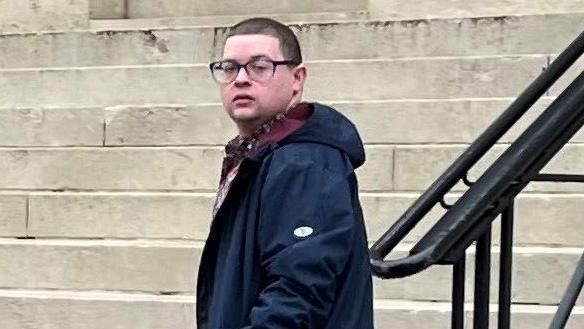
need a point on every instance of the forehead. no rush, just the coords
(244, 47)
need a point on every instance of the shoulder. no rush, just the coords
(311, 155)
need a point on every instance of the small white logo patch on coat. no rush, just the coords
(303, 231)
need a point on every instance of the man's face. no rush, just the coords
(249, 103)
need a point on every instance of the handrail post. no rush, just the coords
(458, 280)
(482, 281)
(505, 267)
(570, 297)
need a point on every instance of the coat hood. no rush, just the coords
(327, 126)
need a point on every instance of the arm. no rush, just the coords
(302, 273)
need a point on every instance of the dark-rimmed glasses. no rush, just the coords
(259, 69)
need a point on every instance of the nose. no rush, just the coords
(242, 76)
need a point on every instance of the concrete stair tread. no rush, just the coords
(469, 8)
(175, 44)
(376, 8)
(197, 244)
(421, 78)
(379, 303)
(185, 22)
(307, 19)
(196, 168)
(168, 267)
(446, 306)
(113, 243)
(95, 295)
(97, 310)
(308, 62)
(394, 122)
(179, 8)
(144, 215)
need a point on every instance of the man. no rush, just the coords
(287, 246)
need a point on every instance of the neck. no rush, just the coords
(246, 129)
(246, 132)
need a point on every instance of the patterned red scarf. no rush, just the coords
(240, 147)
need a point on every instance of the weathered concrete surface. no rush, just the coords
(187, 22)
(51, 127)
(418, 166)
(74, 310)
(18, 16)
(396, 9)
(110, 215)
(542, 219)
(162, 267)
(379, 122)
(13, 215)
(541, 274)
(107, 9)
(160, 8)
(420, 78)
(53, 310)
(110, 168)
(78, 49)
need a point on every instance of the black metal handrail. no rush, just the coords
(491, 194)
(470, 218)
(441, 239)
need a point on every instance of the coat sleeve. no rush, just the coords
(305, 240)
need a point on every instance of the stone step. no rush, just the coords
(430, 121)
(73, 310)
(178, 8)
(415, 314)
(469, 8)
(393, 9)
(165, 267)
(140, 169)
(182, 22)
(410, 168)
(53, 126)
(151, 43)
(423, 78)
(416, 167)
(13, 215)
(160, 266)
(107, 9)
(193, 168)
(112, 215)
(85, 48)
(17, 17)
(540, 276)
(541, 219)
(379, 122)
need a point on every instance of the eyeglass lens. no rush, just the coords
(257, 70)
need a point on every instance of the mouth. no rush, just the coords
(243, 98)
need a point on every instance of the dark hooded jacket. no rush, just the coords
(287, 248)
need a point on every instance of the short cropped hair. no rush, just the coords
(289, 44)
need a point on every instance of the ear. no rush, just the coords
(299, 75)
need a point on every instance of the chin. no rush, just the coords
(244, 114)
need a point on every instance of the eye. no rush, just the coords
(228, 67)
(261, 65)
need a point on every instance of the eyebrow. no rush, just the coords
(261, 56)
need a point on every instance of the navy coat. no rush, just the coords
(288, 249)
